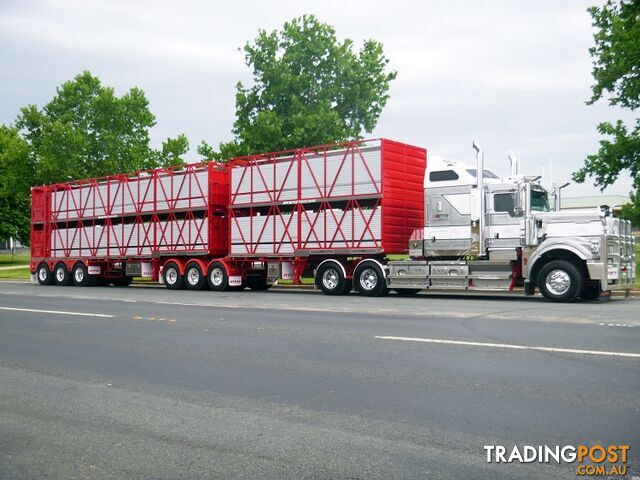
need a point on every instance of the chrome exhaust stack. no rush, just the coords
(480, 187)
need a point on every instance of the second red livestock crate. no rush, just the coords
(356, 198)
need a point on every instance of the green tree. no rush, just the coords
(16, 170)
(616, 72)
(87, 131)
(172, 151)
(308, 88)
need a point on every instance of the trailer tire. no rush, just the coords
(369, 280)
(258, 283)
(560, 281)
(331, 280)
(44, 275)
(61, 276)
(80, 275)
(217, 278)
(172, 278)
(406, 292)
(122, 281)
(193, 277)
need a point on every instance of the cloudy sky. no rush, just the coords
(513, 74)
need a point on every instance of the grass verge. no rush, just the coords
(7, 260)
(15, 274)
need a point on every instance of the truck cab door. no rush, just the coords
(504, 220)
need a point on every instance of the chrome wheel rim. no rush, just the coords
(368, 279)
(193, 276)
(42, 273)
(216, 276)
(78, 274)
(60, 274)
(558, 282)
(330, 278)
(171, 275)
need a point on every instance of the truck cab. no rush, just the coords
(484, 232)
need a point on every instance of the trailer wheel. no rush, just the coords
(44, 274)
(331, 280)
(122, 281)
(406, 292)
(258, 282)
(172, 278)
(80, 275)
(369, 280)
(193, 277)
(560, 281)
(217, 278)
(61, 275)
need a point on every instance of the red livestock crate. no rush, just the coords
(149, 213)
(354, 198)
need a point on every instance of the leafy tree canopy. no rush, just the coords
(616, 72)
(86, 131)
(308, 88)
(16, 170)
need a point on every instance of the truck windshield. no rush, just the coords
(539, 201)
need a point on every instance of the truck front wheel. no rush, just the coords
(560, 281)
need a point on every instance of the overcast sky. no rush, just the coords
(512, 74)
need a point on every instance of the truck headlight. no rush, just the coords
(595, 249)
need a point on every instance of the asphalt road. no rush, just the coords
(154, 384)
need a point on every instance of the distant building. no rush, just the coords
(593, 201)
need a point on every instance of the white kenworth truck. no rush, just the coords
(483, 232)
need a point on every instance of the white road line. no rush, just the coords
(57, 312)
(512, 347)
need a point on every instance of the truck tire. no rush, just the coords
(560, 281)
(80, 275)
(172, 278)
(217, 278)
(193, 277)
(406, 292)
(61, 275)
(258, 282)
(44, 274)
(122, 281)
(369, 280)
(331, 280)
